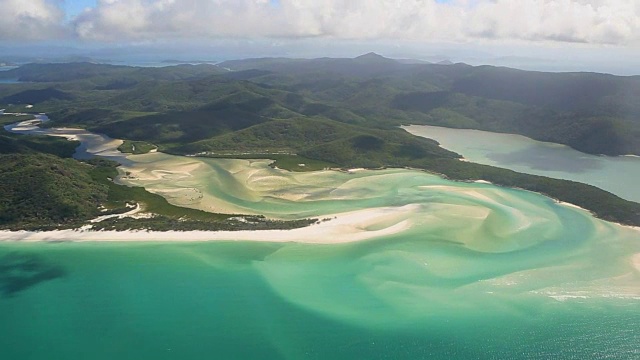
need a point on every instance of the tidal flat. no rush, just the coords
(473, 271)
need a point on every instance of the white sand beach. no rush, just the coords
(358, 205)
(340, 228)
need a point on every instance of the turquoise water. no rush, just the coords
(473, 272)
(480, 273)
(288, 301)
(615, 174)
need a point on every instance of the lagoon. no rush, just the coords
(618, 175)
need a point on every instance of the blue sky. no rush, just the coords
(74, 7)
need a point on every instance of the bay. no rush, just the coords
(516, 152)
(474, 271)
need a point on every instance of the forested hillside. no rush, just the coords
(42, 188)
(40, 191)
(594, 113)
(341, 112)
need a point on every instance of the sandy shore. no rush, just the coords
(635, 260)
(564, 203)
(341, 228)
(180, 180)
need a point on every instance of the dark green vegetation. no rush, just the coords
(36, 144)
(38, 188)
(343, 144)
(107, 77)
(136, 147)
(343, 113)
(298, 163)
(601, 203)
(6, 119)
(27, 144)
(165, 223)
(594, 113)
(288, 162)
(44, 192)
(39, 191)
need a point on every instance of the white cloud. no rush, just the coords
(608, 22)
(581, 21)
(596, 21)
(30, 20)
(149, 19)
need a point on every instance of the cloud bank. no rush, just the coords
(31, 20)
(575, 21)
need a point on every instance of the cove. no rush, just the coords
(516, 152)
(474, 271)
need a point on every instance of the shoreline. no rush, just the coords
(549, 143)
(341, 228)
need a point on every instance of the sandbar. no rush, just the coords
(340, 228)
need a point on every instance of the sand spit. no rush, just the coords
(250, 186)
(136, 209)
(341, 228)
(571, 205)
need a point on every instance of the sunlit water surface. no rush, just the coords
(476, 272)
(618, 175)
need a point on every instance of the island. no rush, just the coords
(345, 118)
(279, 208)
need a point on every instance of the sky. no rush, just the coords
(531, 29)
(73, 8)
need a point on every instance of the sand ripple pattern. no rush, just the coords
(435, 245)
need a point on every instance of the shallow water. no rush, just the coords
(615, 174)
(399, 298)
(479, 272)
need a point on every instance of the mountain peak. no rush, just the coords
(372, 57)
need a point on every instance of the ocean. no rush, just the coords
(472, 271)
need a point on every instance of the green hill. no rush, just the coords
(325, 140)
(594, 113)
(69, 72)
(29, 144)
(569, 108)
(344, 113)
(40, 191)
